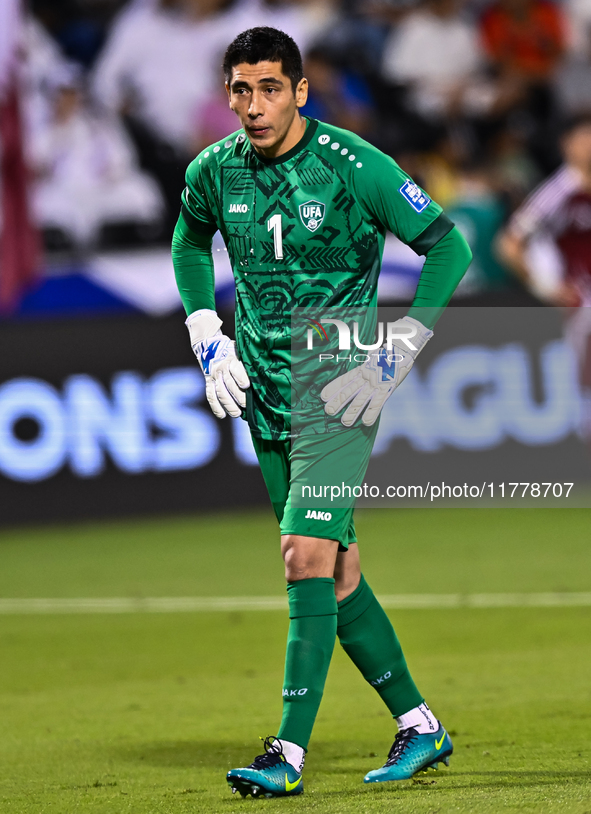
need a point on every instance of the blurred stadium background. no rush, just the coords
(103, 104)
(115, 98)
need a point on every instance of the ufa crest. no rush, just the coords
(312, 214)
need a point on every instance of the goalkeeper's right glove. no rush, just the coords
(225, 376)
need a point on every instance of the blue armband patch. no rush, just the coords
(418, 199)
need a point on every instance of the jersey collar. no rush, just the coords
(302, 143)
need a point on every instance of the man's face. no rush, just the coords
(577, 147)
(262, 97)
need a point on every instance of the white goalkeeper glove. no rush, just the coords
(225, 376)
(373, 382)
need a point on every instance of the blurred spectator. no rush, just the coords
(561, 208)
(436, 53)
(306, 21)
(161, 68)
(75, 27)
(157, 65)
(578, 13)
(336, 96)
(478, 212)
(160, 63)
(436, 170)
(436, 56)
(86, 171)
(524, 38)
(516, 174)
(163, 60)
(43, 60)
(572, 81)
(357, 34)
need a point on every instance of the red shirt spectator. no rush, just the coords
(524, 36)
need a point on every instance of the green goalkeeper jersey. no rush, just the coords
(303, 230)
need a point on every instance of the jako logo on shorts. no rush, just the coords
(314, 515)
(291, 693)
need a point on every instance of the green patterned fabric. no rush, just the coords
(304, 230)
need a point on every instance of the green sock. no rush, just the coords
(310, 642)
(368, 638)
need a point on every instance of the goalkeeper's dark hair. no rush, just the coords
(265, 44)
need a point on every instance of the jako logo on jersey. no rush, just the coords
(418, 199)
(312, 214)
(291, 693)
(237, 208)
(314, 515)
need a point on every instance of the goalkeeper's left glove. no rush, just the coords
(225, 376)
(370, 384)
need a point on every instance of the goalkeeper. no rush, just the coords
(303, 208)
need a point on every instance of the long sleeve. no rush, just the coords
(193, 267)
(446, 264)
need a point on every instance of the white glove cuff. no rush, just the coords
(202, 324)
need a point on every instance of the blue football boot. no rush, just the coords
(269, 775)
(412, 753)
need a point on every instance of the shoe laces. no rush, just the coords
(401, 742)
(272, 756)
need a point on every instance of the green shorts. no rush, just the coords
(318, 460)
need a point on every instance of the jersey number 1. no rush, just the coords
(274, 223)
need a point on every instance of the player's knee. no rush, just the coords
(297, 558)
(306, 557)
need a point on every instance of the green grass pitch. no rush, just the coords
(145, 712)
